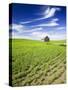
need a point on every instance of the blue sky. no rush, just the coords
(37, 21)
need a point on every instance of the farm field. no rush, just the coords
(38, 63)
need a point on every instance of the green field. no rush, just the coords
(38, 62)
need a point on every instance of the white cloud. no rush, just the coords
(55, 20)
(58, 36)
(21, 37)
(53, 36)
(61, 28)
(17, 27)
(39, 35)
(25, 22)
(21, 29)
(33, 30)
(48, 13)
(51, 23)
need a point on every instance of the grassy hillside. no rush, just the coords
(37, 62)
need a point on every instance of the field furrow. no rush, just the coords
(37, 63)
